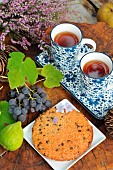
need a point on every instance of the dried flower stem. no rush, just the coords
(3, 153)
(33, 18)
(4, 77)
(1, 87)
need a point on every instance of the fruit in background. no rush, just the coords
(105, 13)
(11, 136)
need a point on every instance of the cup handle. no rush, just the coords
(109, 87)
(87, 41)
(110, 83)
(90, 42)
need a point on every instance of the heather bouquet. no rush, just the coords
(25, 21)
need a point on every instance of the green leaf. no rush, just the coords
(20, 70)
(30, 71)
(5, 116)
(16, 78)
(53, 76)
(15, 60)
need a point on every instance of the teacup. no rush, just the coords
(66, 43)
(96, 70)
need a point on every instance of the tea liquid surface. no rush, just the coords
(66, 39)
(96, 69)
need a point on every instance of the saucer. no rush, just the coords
(97, 105)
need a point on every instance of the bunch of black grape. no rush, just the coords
(25, 100)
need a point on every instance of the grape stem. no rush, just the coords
(19, 104)
(30, 96)
(29, 88)
(40, 80)
(17, 90)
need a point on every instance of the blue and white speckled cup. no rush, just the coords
(65, 57)
(96, 86)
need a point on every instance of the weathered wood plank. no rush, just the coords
(84, 10)
(81, 11)
(98, 3)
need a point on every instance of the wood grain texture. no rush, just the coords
(101, 33)
(101, 157)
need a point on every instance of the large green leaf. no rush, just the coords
(5, 116)
(21, 69)
(53, 76)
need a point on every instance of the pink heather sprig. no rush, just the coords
(31, 17)
(4, 1)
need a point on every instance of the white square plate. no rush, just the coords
(98, 137)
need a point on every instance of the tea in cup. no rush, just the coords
(96, 71)
(66, 43)
(66, 39)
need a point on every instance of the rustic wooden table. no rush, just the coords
(101, 157)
